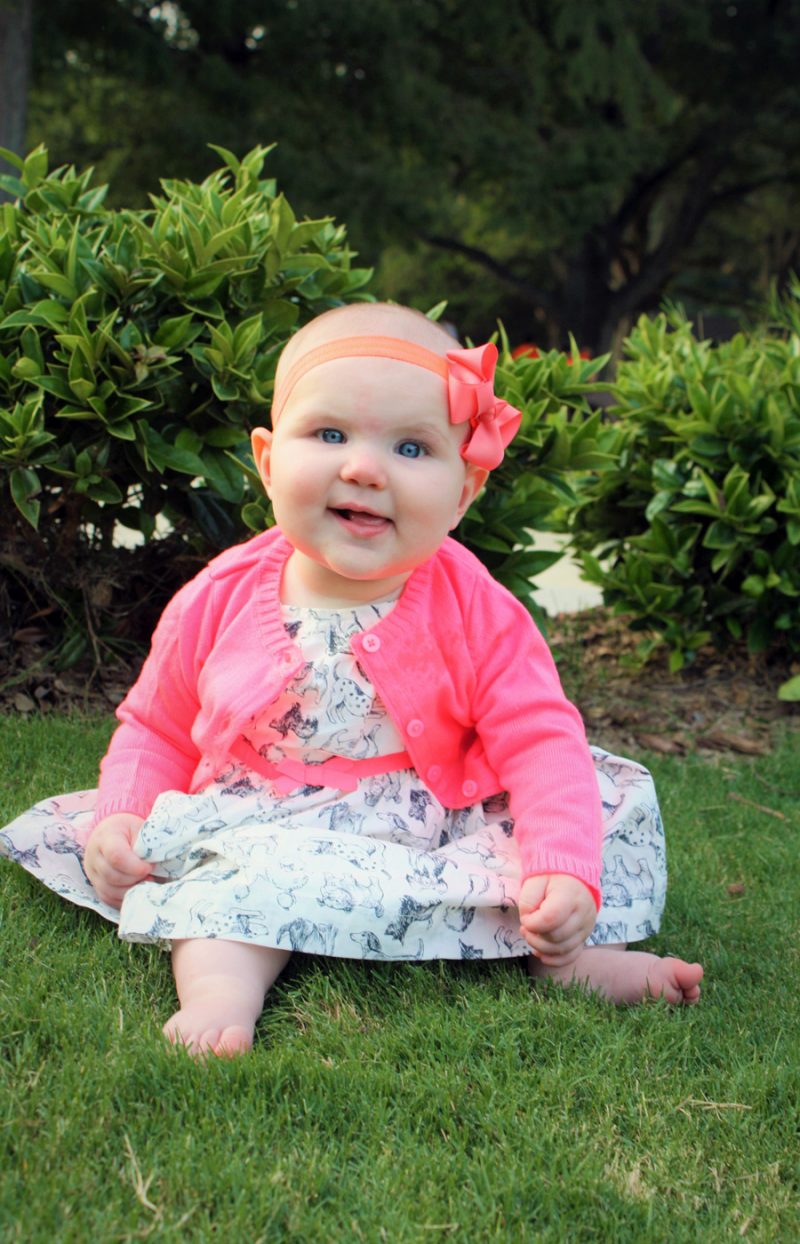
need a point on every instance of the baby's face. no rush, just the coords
(365, 475)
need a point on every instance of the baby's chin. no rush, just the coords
(309, 580)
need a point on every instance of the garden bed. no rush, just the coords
(720, 702)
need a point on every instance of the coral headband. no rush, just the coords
(469, 375)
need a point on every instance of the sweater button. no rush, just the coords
(416, 727)
(470, 788)
(371, 643)
(434, 773)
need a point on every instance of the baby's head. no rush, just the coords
(358, 321)
(383, 433)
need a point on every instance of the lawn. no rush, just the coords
(393, 1102)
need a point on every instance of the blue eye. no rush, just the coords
(331, 436)
(411, 449)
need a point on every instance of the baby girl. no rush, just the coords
(348, 739)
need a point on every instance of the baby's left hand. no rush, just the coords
(557, 914)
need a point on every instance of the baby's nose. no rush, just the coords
(364, 466)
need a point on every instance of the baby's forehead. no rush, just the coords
(363, 389)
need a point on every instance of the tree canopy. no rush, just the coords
(561, 165)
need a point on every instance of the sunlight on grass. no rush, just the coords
(413, 1102)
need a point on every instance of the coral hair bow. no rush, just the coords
(470, 384)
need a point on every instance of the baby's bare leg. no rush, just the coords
(626, 978)
(221, 987)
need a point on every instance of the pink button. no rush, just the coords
(416, 727)
(288, 657)
(434, 773)
(372, 643)
(470, 788)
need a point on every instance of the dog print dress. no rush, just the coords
(377, 871)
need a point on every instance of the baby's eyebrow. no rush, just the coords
(317, 415)
(423, 430)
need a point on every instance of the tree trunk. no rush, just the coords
(16, 23)
(585, 305)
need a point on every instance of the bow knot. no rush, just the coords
(470, 385)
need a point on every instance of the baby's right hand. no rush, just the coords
(111, 864)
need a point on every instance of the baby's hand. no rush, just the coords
(557, 914)
(111, 864)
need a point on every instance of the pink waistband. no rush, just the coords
(338, 772)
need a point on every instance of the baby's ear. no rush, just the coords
(261, 442)
(475, 478)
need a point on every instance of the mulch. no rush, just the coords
(721, 702)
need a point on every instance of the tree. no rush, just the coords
(562, 165)
(16, 17)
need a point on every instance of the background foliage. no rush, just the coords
(561, 168)
(698, 520)
(137, 351)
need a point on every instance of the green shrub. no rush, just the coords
(695, 530)
(137, 349)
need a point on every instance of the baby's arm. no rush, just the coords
(152, 748)
(111, 864)
(557, 914)
(535, 741)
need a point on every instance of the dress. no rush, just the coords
(383, 871)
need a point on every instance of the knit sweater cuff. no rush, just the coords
(110, 807)
(535, 864)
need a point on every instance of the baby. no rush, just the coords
(347, 738)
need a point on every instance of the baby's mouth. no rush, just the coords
(364, 520)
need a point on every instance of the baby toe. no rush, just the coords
(233, 1041)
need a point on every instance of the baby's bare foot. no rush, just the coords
(626, 976)
(220, 1023)
(221, 986)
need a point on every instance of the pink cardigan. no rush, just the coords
(464, 673)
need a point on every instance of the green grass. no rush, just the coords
(413, 1102)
